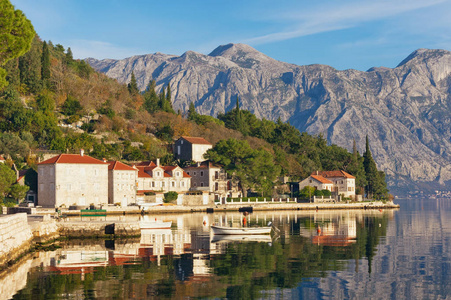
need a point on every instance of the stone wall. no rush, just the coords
(15, 236)
(89, 229)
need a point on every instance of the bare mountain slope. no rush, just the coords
(405, 111)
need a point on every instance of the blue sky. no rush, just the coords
(345, 34)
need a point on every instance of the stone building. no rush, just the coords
(191, 148)
(207, 176)
(152, 177)
(122, 180)
(343, 183)
(318, 182)
(72, 179)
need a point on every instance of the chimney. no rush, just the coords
(158, 162)
(82, 152)
(104, 160)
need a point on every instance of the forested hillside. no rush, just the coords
(51, 102)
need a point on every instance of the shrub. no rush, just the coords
(170, 196)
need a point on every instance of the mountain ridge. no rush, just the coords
(405, 110)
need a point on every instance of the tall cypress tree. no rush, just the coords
(372, 175)
(151, 97)
(45, 65)
(356, 168)
(132, 85)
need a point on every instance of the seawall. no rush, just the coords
(15, 237)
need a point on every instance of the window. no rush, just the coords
(201, 184)
(195, 184)
(178, 150)
(216, 186)
(163, 184)
(153, 184)
(216, 174)
(182, 184)
(194, 173)
(349, 189)
(177, 174)
(187, 172)
(173, 184)
(201, 173)
(310, 181)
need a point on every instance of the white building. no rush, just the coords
(318, 182)
(343, 183)
(72, 179)
(122, 180)
(152, 177)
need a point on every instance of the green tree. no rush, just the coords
(45, 102)
(71, 106)
(69, 58)
(133, 85)
(30, 67)
(7, 178)
(356, 168)
(18, 192)
(13, 145)
(151, 97)
(16, 34)
(45, 65)
(376, 186)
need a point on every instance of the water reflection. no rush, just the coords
(324, 254)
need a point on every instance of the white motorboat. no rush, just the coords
(155, 225)
(240, 230)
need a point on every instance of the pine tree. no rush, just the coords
(167, 107)
(45, 65)
(69, 58)
(192, 114)
(355, 167)
(16, 35)
(151, 97)
(133, 86)
(376, 186)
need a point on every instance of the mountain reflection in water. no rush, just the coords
(325, 254)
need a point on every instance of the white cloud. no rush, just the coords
(331, 16)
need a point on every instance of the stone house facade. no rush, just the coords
(191, 148)
(152, 177)
(207, 176)
(69, 179)
(343, 183)
(122, 180)
(318, 182)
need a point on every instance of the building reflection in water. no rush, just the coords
(189, 241)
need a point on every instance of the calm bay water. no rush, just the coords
(396, 254)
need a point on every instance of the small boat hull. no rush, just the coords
(240, 230)
(155, 225)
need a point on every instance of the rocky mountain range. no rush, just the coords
(405, 111)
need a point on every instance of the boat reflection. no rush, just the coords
(242, 238)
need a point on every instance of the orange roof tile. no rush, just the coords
(146, 164)
(1, 157)
(196, 140)
(321, 179)
(118, 166)
(72, 159)
(336, 173)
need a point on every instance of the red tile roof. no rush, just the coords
(146, 164)
(118, 166)
(1, 158)
(143, 171)
(321, 179)
(330, 174)
(72, 159)
(196, 140)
